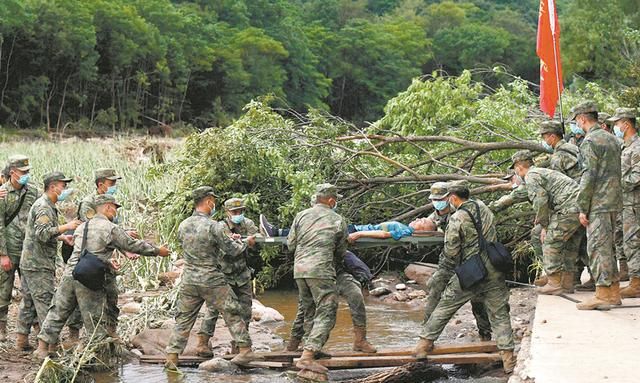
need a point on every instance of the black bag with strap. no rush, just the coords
(498, 254)
(90, 270)
(13, 215)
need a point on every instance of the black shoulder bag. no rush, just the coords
(472, 271)
(13, 215)
(499, 256)
(90, 270)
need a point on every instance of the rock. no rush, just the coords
(260, 312)
(401, 286)
(136, 352)
(400, 296)
(169, 278)
(218, 365)
(380, 291)
(420, 274)
(131, 308)
(417, 294)
(411, 282)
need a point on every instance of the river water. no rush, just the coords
(388, 327)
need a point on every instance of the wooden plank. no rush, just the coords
(190, 360)
(395, 361)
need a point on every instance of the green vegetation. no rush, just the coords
(111, 66)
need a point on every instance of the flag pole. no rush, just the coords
(552, 25)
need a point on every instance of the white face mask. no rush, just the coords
(335, 206)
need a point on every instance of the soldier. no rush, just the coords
(438, 281)
(577, 134)
(236, 271)
(318, 237)
(99, 236)
(625, 128)
(19, 196)
(553, 195)
(203, 241)
(461, 242)
(351, 289)
(40, 249)
(599, 203)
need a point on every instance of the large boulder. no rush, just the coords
(219, 365)
(420, 274)
(263, 314)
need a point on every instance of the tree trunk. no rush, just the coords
(411, 372)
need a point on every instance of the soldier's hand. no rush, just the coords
(72, 225)
(3, 193)
(133, 234)
(131, 256)
(68, 239)
(5, 263)
(584, 220)
(251, 240)
(236, 236)
(353, 237)
(163, 252)
(115, 264)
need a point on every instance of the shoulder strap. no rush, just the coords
(13, 215)
(84, 237)
(78, 211)
(478, 224)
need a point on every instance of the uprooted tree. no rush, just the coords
(441, 128)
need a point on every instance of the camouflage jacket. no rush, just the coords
(517, 195)
(600, 190)
(40, 246)
(12, 235)
(441, 220)
(631, 172)
(103, 237)
(461, 237)
(87, 208)
(318, 238)
(204, 241)
(566, 159)
(235, 267)
(577, 141)
(551, 191)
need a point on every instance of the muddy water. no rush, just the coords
(388, 327)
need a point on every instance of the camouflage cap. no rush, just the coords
(583, 107)
(107, 173)
(102, 199)
(327, 190)
(49, 178)
(201, 192)
(439, 190)
(234, 204)
(552, 126)
(603, 117)
(458, 186)
(623, 113)
(19, 162)
(521, 155)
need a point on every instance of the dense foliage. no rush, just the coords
(120, 64)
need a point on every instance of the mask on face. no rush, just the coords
(237, 219)
(546, 146)
(619, 133)
(451, 205)
(213, 211)
(440, 205)
(575, 129)
(24, 179)
(65, 193)
(111, 190)
(335, 206)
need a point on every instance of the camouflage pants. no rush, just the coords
(351, 290)
(7, 280)
(619, 238)
(72, 300)
(40, 286)
(244, 294)
(536, 244)
(600, 247)
(492, 292)
(631, 229)
(190, 300)
(436, 287)
(319, 300)
(562, 243)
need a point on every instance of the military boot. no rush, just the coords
(423, 348)
(234, 348)
(202, 348)
(600, 300)
(293, 344)
(360, 342)
(244, 357)
(633, 290)
(171, 362)
(553, 286)
(72, 340)
(42, 351)
(624, 270)
(614, 294)
(22, 342)
(307, 362)
(508, 361)
(541, 281)
(3, 331)
(567, 282)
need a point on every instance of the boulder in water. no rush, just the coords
(219, 365)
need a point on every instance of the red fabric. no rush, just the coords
(549, 94)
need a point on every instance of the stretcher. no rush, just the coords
(419, 239)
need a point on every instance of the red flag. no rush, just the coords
(548, 49)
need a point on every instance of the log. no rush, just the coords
(192, 360)
(412, 372)
(372, 361)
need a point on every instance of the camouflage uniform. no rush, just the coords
(11, 238)
(317, 238)
(103, 237)
(461, 242)
(631, 203)
(238, 276)
(553, 195)
(438, 282)
(203, 242)
(599, 199)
